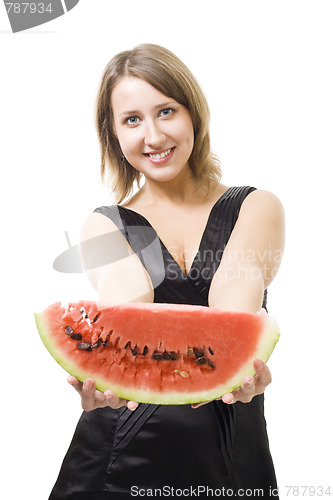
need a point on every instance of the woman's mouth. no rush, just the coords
(161, 156)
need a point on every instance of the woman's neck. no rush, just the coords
(176, 191)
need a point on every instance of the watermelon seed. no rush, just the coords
(211, 350)
(181, 373)
(157, 355)
(210, 363)
(95, 318)
(198, 353)
(84, 346)
(167, 355)
(69, 330)
(135, 352)
(97, 344)
(145, 350)
(201, 361)
(174, 355)
(76, 336)
(189, 351)
(127, 345)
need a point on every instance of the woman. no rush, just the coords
(189, 239)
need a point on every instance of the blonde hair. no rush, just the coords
(168, 74)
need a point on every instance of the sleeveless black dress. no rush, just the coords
(158, 450)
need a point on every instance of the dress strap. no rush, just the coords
(141, 237)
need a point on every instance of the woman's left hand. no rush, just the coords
(251, 386)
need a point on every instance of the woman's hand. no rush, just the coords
(92, 399)
(251, 386)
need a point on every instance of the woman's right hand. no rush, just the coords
(92, 399)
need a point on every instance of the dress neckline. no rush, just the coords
(203, 236)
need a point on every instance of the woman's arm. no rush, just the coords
(252, 255)
(118, 276)
(110, 264)
(249, 264)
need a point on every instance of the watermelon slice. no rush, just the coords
(157, 353)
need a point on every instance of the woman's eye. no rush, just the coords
(166, 111)
(132, 120)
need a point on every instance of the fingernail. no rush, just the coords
(248, 380)
(259, 365)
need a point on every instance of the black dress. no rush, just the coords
(157, 450)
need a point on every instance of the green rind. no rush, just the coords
(269, 338)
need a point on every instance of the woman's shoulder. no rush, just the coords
(97, 223)
(263, 200)
(262, 215)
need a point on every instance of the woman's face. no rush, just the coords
(154, 131)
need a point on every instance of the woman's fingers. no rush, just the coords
(132, 405)
(251, 386)
(244, 393)
(88, 395)
(263, 375)
(74, 382)
(92, 398)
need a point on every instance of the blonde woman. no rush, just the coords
(183, 237)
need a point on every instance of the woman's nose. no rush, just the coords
(154, 136)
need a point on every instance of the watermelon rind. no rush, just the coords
(269, 337)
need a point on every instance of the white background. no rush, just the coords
(266, 69)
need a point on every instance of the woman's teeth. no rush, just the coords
(160, 155)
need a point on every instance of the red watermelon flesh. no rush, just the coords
(157, 353)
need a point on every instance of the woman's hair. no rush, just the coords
(168, 74)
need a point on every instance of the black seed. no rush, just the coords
(211, 350)
(145, 350)
(69, 330)
(127, 345)
(201, 361)
(157, 355)
(167, 355)
(86, 316)
(174, 355)
(84, 346)
(95, 318)
(210, 363)
(106, 343)
(98, 343)
(198, 353)
(76, 336)
(135, 352)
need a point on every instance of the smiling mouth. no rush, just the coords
(159, 156)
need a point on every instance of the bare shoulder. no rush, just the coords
(263, 201)
(110, 264)
(101, 246)
(262, 216)
(262, 212)
(96, 224)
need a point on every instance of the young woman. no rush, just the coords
(184, 238)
